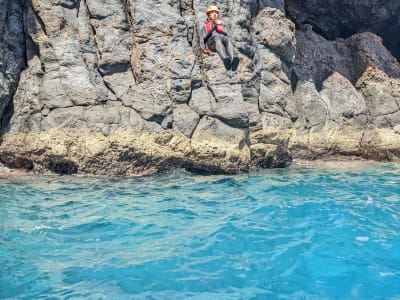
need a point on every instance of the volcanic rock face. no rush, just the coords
(341, 19)
(132, 71)
(12, 50)
(361, 58)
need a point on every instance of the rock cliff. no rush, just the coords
(122, 87)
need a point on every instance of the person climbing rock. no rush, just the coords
(216, 39)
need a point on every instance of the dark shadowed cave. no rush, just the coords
(341, 19)
(344, 37)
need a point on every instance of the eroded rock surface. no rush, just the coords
(12, 52)
(342, 19)
(122, 87)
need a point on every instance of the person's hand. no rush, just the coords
(208, 52)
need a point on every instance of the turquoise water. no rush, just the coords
(299, 233)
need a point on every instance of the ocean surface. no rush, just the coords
(297, 233)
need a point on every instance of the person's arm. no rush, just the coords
(220, 27)
(203, 43)
(208, 35)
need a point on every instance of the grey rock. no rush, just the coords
(101, 115)
(387, 121)
(66, 80)
(215, 72)
(180, 89)
(317, 58)
(274, 94)
(240, 18)
(279, 4)
(71, 117)
(113, 38)
(270, 61)
(209, 126)
(167, 121)
(382, 96)
(197, 77)
(134, 120)
(12, 51)
(106, 130)
(152, 105)
(310, 106)
(338, 19)
(253, 112)
(343, 101)
(185, 119)
(397, 129)
(122, 68)
(153, 127)
(272, 30)
(201, 101)
(229, 105)
(26, 99)
(141, 55)
(119, 83)
(275, 48)
(270, 120)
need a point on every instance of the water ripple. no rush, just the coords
(278, 234)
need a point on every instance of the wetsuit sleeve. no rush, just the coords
(224, 27)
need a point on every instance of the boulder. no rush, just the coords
(382, 96)
(217, 146)
(272, 30)
(345, 105)
(310, 106)
(185, 119)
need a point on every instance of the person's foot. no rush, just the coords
(227, 63)
(235, 63)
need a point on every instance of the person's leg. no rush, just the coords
(231, 53)
(230, 50)
(220, 48)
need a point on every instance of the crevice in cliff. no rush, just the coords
(78, 7)
(13, 60)
(180, 8)
(6, 119)
(32, 48)
(38, 18)
(91, 19)
(3, 20)
(99, 53)
(128, 13)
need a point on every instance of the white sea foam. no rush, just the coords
(362, 238)
(41, 227)
(385, 274)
